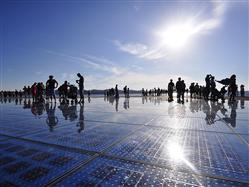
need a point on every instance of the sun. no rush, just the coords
(176, 36)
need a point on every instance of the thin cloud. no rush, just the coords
(96, 63)
(156, 52)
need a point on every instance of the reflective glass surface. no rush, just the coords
(124, 142)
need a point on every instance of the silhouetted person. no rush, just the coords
(64, 90)
(28, 91)
(197, 90)
(116, 91)
(16, 94)
(25, 91)
(222, 93)
(143, 92)
(242, 90)
(33, 91)
(39, 92)
(192, 89)
(81, 87)
(207, 89)
(183, 88)
(213, 87)
(178, 88)
(233, 87)
(170, 90)
(125, 91)
(51, 84)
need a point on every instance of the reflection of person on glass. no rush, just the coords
(242, 103)
(27, 105)
(207, 110)
(37, 109)
(51, 120)
(64, 109)
(126, 103)
(232, 119)
(81, 123)
(72, 112)
(116, 106)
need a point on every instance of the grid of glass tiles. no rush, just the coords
(125, 142)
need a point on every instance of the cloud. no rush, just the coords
(186, 28)
(97, 63)
(132, 48)
(141, 50)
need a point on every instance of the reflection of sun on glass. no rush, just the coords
(175, 152)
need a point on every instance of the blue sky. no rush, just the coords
(134, 43)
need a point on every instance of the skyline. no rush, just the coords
(139, 44)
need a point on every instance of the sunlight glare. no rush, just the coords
(175, 152)
(176, 36)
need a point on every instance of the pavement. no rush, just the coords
(133, 141)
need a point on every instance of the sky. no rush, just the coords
(141, 44)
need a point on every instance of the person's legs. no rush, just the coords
(81, 91)
(54, 97)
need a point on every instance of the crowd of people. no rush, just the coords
(41, 92)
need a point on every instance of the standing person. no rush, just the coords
(170, 90)
(64, 90)
(116, 91)
(34, 91)
(192, 89)
(81, 87)
(242, 90)
(51, 84)
(25, 91)
(233, 87)
(207, 90)
(213, 87)
(125, 91)
(39, 92)
(183, 87)
(178, 88)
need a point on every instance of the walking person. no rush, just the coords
(81, 87)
